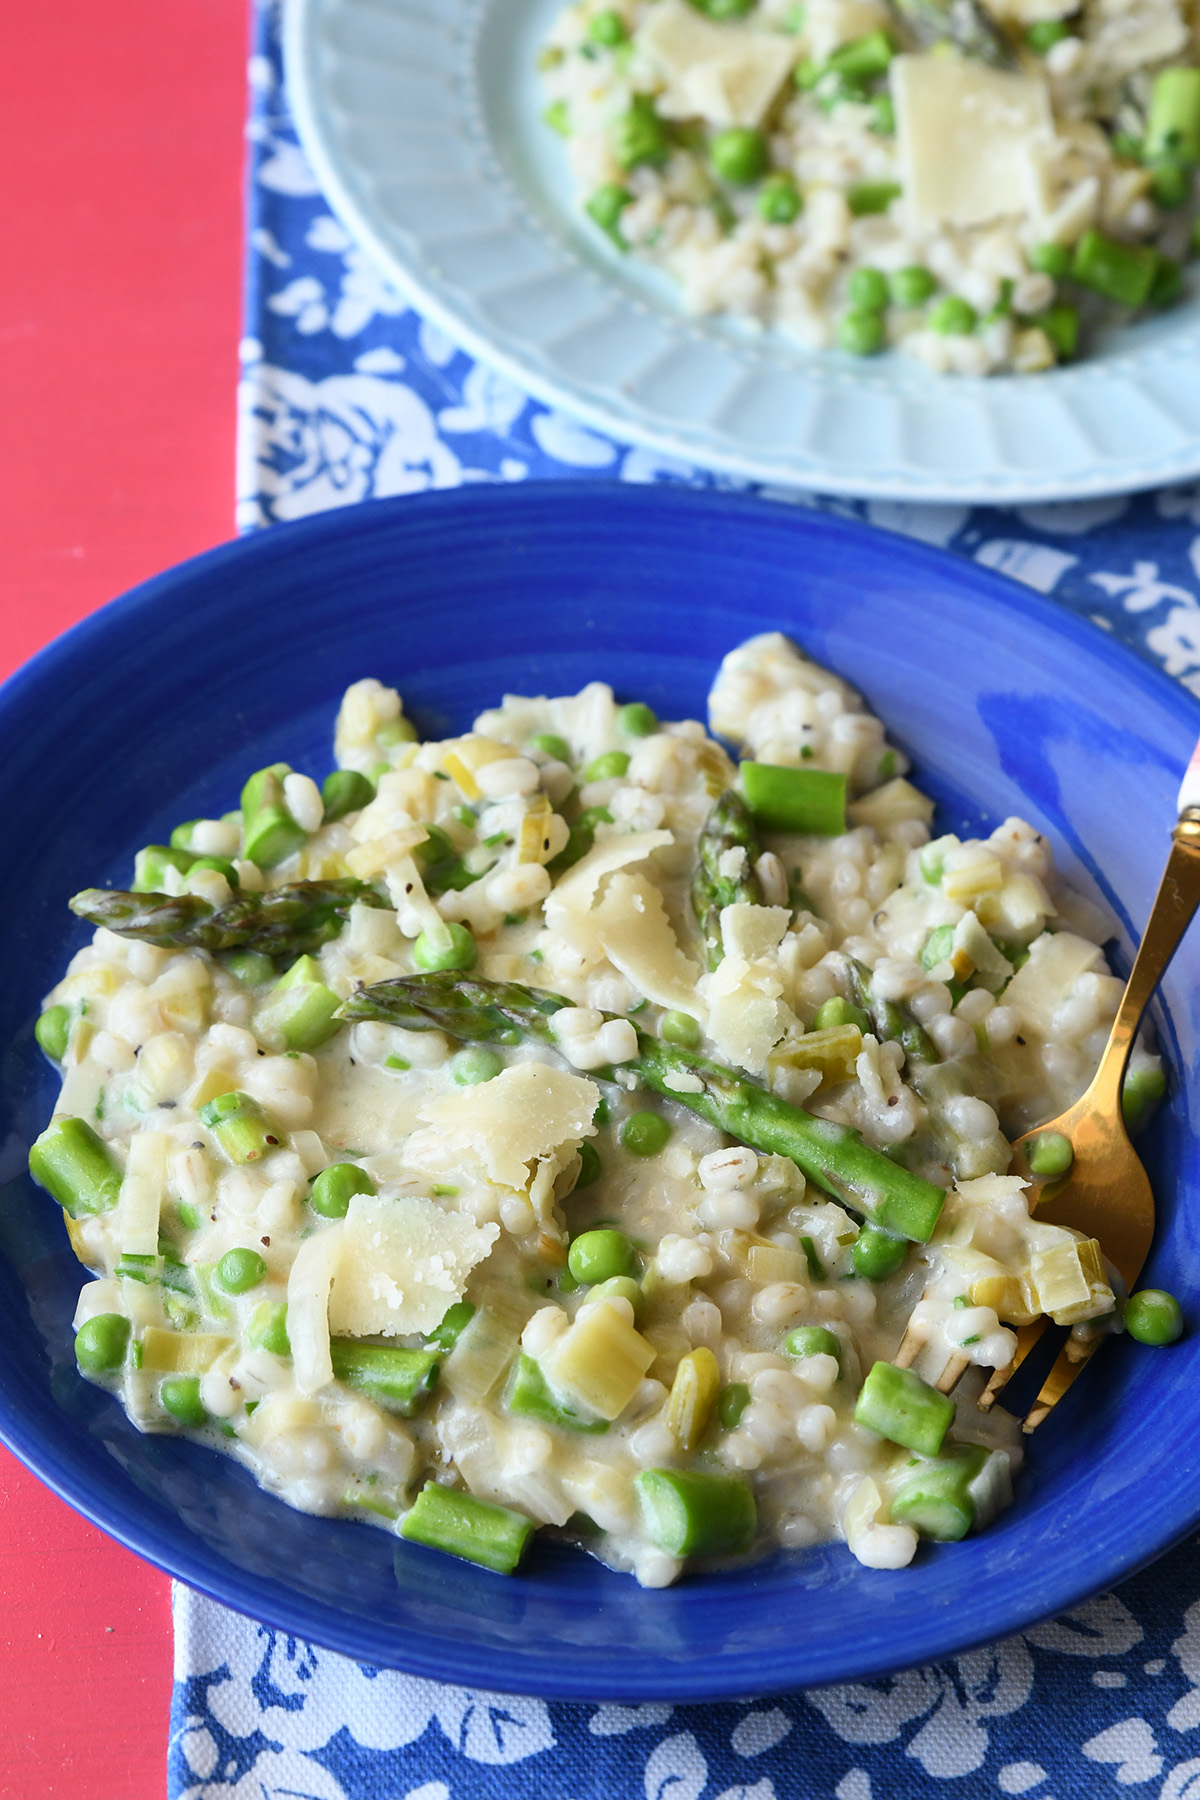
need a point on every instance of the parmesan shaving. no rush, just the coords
(403, 1264)
(527, 1114)
(638, 939)
(568, 906)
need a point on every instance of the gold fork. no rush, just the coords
(1106, 1194)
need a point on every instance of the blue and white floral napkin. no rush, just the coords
(348, 394)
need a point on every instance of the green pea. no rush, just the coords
(738, 155)
(475, 1064)
(607, 768)
(607, 29)
(645, 1133)
(1154, 1317)
(1142, 1089)
(953, 316)
(432, 953)
(779, 201)
(591, 1167)
(876, 1254)
(550, 744)
(604, 208)
(679, 1028)
(180, 1394)
(240, 1270)
(813, 1340)
(268, 1328)
(861, 333)
(637, 720)
(868, 290)
(597, 1256)
(331, 1191)
(101, 1343)
(190, 1216)
(912, 286)
(1050, 1154)
(250, 967)
(53, 1030)
(732, 1402)
(1050, 259)
(619, 1287)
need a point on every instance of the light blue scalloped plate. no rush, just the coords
(422, 122)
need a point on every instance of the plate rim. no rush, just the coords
(317, 1620)
(408, 277)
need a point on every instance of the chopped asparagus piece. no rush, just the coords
(900, 1406)
(812, 801)
(529, 1396)
(399, 1380)
(240, 1126)
(73, 1164)
(298, 1013)
(935, 1497)
(461, 1525)
(692, 1514)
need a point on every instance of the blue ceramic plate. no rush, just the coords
(424, 126)
(154, 709)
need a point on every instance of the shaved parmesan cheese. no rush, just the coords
(141, 1192)
(524, 1115)
(753, 931)
(311, 1277)
(747, 1014)
(568, 906)
(723, 73)
(971, 140)
(403, 1264)
(638, 939)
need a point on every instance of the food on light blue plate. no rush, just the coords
(980, 183)
(557, 1126)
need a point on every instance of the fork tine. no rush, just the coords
(1065, 1370)
(1027, 1337)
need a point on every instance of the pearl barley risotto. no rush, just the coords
(977, 181)
(557, 1127)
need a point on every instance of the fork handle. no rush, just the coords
(1174, 906)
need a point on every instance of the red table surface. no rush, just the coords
(120, 216)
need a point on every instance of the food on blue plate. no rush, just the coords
(981, 183)
(558, 1125)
